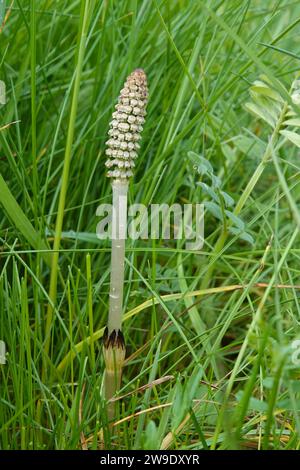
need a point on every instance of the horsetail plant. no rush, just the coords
(122, 150)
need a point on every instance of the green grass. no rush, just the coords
(209, 334)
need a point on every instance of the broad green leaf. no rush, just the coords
(290, 112)
(150, 436)
(236, 220)
(296, 84)
(208, 190)
(255, 403)
(249, 146)
(292, 122)
(265, 78)
(202, 164)
(262, 88)
(288, 404)
(247, 237)
(270, 106)
(261, 113)
(227, 199)
(192, 386)
(258, 405)
(296, 97)
(214, 209)
(177, 408)
(215, 181)
(21, 222)
(292, 137)
(268, 382)
(242, 235)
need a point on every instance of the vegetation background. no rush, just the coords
(209, 334)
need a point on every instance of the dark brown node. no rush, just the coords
(114, 340)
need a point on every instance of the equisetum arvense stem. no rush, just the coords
(119, 226)
(125, 132)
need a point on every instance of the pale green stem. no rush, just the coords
(114, 352)
(119, 227)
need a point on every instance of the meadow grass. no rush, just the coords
(209, 334)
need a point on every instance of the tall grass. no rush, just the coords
(232, 303)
